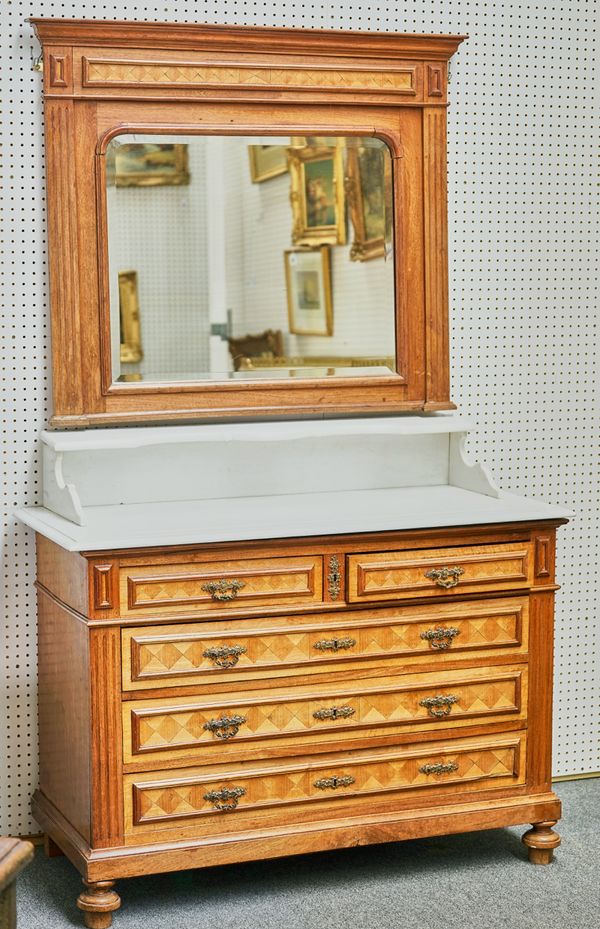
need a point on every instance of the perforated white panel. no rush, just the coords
(524, 232)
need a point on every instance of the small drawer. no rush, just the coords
(157, 799)
(227, 651)
(439, 572)
(195, 586)
(254, 722)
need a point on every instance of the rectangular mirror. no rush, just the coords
(248, 258)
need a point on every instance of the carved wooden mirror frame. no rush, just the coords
(102, 79)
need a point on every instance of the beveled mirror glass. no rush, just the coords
(245, 257)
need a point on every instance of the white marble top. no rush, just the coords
(283, 516)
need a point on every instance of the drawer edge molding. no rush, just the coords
(331, 770)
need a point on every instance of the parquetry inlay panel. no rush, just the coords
(107, 73)
(167, 654)
(181, 799)
(284, 580)
(385, 704)
(391, 575)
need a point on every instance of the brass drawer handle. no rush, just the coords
(225, 799)
(445, 577)
(439, 706)
(334, 645)
(439, 768)
(223, 590)
(225, 656)
(335, 712)
(440, 637)
(332, 783)
(225, 727)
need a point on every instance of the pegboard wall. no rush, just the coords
(524, 228)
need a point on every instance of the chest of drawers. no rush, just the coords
(220, 703)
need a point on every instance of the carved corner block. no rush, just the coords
(104, 587)
(58, 68)
(435, 80)
(544, 558)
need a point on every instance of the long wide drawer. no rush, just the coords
(181, 797)
(438, 572)
(226, 650)
(195, 586)
(159, 729)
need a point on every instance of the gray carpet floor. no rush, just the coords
(479, 880)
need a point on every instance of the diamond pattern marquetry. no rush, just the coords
(286, 580)
(397, 772)
(161, 656)
(154, 730)
(405, 574)
(109, 73)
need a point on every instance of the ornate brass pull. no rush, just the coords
(225, 727)
(439, 706)
(223, 590)
(225, 656)
(334, 645)
(225, 799)
(335, 712)
(440, 637)
(445, 577)
(439, 768)
(332, 783)
(334, 578)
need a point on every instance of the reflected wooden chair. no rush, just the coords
(267, 344)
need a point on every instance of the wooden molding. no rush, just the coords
(103, 582)
(109, 34)
(436, 249)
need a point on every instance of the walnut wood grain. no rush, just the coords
(64, 574)
(65, 743)
(106, 746)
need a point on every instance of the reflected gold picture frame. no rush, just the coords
(365, 245)
(308, 288)
(317, 194)
(150, 165)
(267, 161)
(129, 316)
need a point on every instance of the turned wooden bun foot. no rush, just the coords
(541, 840)
(98, 902)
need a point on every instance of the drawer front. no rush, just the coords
(161, 798)
(221, 585)
(439, 572)
(196, 653)
(158, 731)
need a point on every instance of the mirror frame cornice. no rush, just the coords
(106, 78)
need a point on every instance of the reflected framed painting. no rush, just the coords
(308, 285)
(368, 185)
(317, 194)
(148, 165)
(267, 161)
